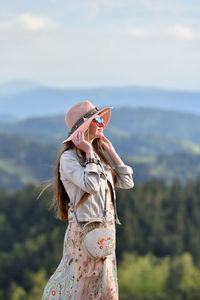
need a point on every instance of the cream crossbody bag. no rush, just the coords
(98, 242)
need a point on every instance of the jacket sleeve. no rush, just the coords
(86, 178)
(124, 176)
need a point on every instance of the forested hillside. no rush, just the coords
(23, 160)
(157, 242)
(125, 122)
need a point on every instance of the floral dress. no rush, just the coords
(79, 277)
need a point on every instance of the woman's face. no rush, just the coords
(95, 131)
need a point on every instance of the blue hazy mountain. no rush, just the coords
(17, 86)
(26, 99)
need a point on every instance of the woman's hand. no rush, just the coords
(80, 142)
(107, 145)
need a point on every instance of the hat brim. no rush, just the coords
(106, 112)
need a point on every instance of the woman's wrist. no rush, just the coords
(90, 153)
(91, 160)
(115, 158)
(110, 151)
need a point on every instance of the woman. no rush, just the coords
(83, 174)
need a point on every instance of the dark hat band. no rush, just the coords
(80, 121)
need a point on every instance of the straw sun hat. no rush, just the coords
(80, 115)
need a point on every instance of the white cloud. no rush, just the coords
(135, 32)
(183, 32)
(102, 41)
(28, 22)
(33, 22)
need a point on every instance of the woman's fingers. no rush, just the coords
(79, 136)
(76, 138)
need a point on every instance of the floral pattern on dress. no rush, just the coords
(78, 277)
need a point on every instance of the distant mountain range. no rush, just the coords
(18, 86)
(26, 99)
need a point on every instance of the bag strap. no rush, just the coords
(105, 209)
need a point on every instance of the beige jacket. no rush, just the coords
(94, 179)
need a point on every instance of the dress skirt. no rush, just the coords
(78, 277)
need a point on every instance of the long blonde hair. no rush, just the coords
(61, 199)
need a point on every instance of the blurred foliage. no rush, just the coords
(152, 278)
(157, 244)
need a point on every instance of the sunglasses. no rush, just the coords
(99, 121)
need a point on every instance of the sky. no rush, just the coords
(84, 43)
